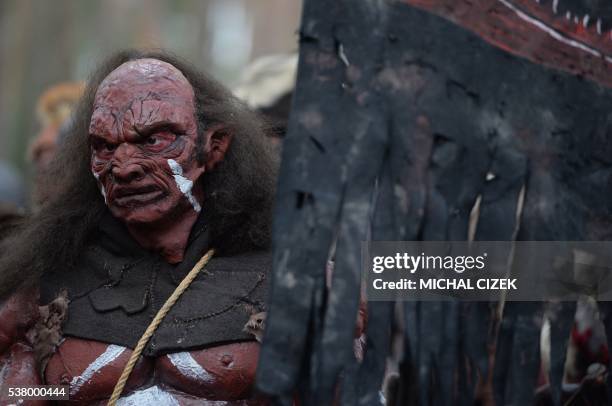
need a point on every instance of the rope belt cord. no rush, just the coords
(127, 370)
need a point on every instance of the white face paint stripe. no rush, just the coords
(553, 33)
(100, 185)
(103, 193)
(185, 185)
(188, 366)
(108, 356)
(152, 396)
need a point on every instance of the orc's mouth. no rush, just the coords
(132, 197)
(582, 24)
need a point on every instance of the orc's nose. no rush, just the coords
(124, 169)
(127, 172)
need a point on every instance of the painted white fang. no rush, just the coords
(555, 6)
(599, 26)
(585, 20)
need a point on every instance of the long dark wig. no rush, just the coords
(239, 193)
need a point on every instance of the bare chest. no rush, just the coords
(223, 373)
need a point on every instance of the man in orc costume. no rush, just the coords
(161, 165)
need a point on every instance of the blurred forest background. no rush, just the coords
(44, 42)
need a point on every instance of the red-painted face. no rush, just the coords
(143, 134)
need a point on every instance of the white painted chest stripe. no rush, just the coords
(188, 366)
(108, 356)
(153, 396)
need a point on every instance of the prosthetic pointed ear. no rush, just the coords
(218, 140)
